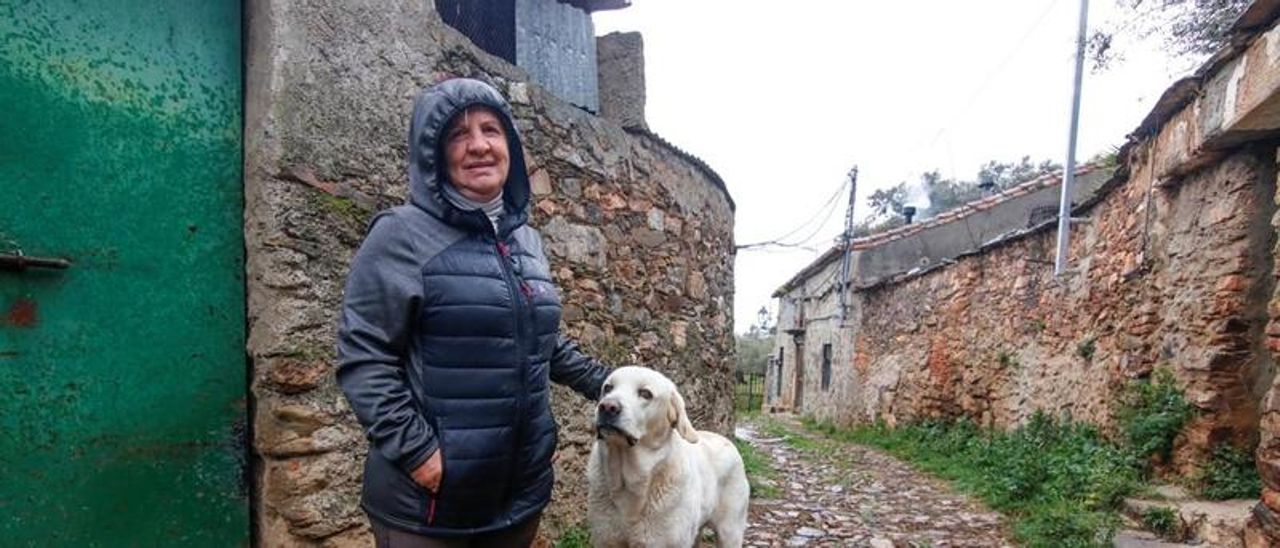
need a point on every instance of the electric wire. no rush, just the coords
(829, 209)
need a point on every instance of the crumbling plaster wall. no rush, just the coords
(639, 235)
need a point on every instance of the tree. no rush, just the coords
(753, 354)
(887, 204)
(1007, 175)
(1189, 29)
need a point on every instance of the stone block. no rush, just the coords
(576, 243)
(296, 376)
(621, 74)
(540, 182)
(1269, 470)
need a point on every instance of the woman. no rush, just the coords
(449, 334)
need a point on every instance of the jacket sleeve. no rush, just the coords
(383, 291)
(572, 368)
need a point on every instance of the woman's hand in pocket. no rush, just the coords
(428, 474)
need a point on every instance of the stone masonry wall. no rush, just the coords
(1267, 515)
(639, 235)
(1162, 276)
(813, 307)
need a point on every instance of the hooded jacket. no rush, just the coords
(449, 334)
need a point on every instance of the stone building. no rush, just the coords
(1173, 265)
(197, 176)
(815, 334)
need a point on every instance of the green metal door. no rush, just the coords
(122, 377)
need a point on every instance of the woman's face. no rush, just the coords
(476, 154)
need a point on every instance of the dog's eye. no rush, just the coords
(645, 393)
(606, 388)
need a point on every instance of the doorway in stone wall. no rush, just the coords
(799, 387)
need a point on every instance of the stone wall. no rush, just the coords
(639, 235)
(1266, 516)
(1162, 276)
(622, 90)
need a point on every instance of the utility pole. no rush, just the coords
(1068, 178)
(846, 245)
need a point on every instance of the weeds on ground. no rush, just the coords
(775, 429)
(1230, 473)
(1086, 348)
(1151, 413)
(1062, 482)
(1163, 522)
(760, 474)
(574, 537)
(1058, 481)
(1006, 360)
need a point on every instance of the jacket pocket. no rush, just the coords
(474, 482)
(391, 494)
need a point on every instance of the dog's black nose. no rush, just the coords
(610, 409)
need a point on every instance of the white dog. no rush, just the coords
(653, 480)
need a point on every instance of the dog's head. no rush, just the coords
(641, 406)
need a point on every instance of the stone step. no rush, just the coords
(1134, 538)
(1201, 522)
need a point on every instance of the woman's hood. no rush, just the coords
(432, 110)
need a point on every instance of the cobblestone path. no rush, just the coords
(830, 493)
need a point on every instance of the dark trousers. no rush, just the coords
(520, 536)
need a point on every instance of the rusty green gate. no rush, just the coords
(122, 375)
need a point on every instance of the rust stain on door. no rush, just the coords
(22, 314)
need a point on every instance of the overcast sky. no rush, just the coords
(782, 99)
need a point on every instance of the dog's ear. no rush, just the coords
(679, 418)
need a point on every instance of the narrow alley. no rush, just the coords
(828, 493)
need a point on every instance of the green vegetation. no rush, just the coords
(1007, 360)
(887, 205)
(1162, 521)
(342, 208)
(760, 474)
(574, 537)
(753, 352)
(1060, 482)
(1151, 413)
(775, 429)
(1086, 348)
(1230, 473)
(748, 395)
(1189, 31)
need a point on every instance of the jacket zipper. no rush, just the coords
(518, 288)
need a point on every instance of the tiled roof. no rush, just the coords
(944, 218)
(976, 206)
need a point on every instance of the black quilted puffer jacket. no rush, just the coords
(449, 335)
